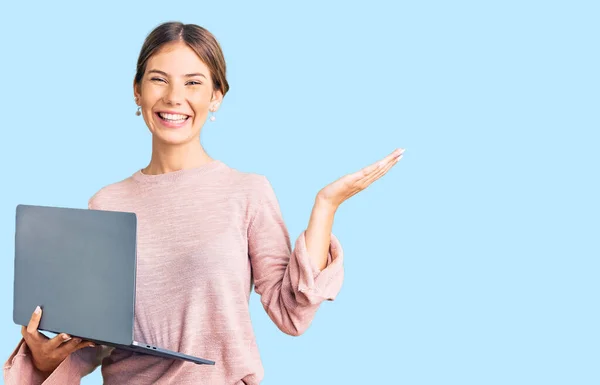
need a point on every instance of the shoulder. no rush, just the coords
(255, 187)
(251, 183)
(101, 200)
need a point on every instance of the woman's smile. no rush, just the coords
(172, 119)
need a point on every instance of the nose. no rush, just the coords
(173, 95)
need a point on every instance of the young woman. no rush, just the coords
(206, 234)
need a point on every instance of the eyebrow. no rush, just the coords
(187, 75)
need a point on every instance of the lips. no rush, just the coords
(172, 119)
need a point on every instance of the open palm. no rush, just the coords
(345, 187)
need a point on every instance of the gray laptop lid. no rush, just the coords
(79, 265)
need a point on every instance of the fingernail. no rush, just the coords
(65, 337)
(38, 310)
(77, 340)
(92, 345)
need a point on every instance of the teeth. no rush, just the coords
(173, 117)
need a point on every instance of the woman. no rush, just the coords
(206, 234)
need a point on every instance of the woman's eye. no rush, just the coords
(193, 83)
(157, 80)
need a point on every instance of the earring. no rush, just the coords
(138, 112)
(212, 112)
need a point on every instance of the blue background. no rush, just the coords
(474, 261)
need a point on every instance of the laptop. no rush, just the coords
(79, 266)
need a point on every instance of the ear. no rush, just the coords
(136, 93)
(216, 101)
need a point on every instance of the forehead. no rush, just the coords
(176, 59)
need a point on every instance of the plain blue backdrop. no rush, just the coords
(474, 261)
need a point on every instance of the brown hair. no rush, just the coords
(197, 38)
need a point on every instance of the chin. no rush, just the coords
(174, 138)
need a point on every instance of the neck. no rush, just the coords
(168, 158)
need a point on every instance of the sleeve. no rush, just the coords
(19, 368)
(290, 286)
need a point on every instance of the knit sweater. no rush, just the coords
(206, 236)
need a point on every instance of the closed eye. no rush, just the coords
(158, 79)
(193, 82)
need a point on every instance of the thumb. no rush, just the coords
(34, 321)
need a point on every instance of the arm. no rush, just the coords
(293, 283)
(21, 369)
(331, 197)
(318, 232)
(290, 284)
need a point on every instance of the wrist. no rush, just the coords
(43, 371)
(325, 204)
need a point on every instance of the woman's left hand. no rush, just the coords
(345, 187)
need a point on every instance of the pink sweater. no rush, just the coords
(205, 236)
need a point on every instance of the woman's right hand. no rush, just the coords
(47, 354)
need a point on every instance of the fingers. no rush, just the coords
(391, 157)
(74, 344)
(366, 181)
(382, 171)
(381, 168)
(57, 341)
(373, 177)
(362, 179)
(85, 344)
(381, 164)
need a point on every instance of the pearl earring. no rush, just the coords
(212, 112)
(138, 112)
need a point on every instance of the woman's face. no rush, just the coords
(176, 94)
